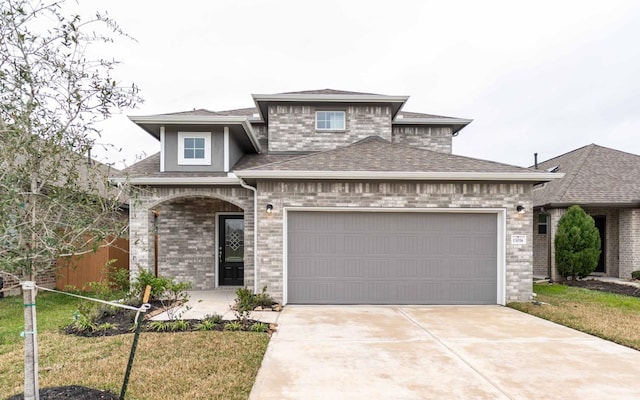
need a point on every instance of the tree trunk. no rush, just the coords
(31, 391)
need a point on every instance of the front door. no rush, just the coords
(601, 224)
(231, 250)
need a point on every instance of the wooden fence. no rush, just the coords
(79, 271)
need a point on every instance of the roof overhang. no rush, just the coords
(238, 125)
(456, 123)
(262, 100)
(179, 181)
(629, 204)
(400, 175)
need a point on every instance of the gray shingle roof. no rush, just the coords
(376, 154)
(240, 112)
(408, 114)
(331, 91)
(593, 175)
(150, 166)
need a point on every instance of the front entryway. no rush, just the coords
(231, 250)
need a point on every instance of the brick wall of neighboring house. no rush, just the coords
(293, 127)
(613, 239)
(540, 248)
(186, 231)
(394, 195)
(629, 237)
(611, 245)
(434, 138)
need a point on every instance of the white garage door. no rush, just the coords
(391, 258)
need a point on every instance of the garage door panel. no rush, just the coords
(391, 258)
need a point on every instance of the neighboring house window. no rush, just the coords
(542, 224)
(194, 148)
(330, 120)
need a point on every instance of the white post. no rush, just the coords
(31, 390)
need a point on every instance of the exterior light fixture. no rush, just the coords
(520, 209)
(269, 208)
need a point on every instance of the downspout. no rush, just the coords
(255, 232)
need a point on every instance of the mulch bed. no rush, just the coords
(71, 393)
(610, 287)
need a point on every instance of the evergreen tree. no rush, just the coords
(577, 244)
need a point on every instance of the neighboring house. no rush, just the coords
(80, 270)
(329, 197)
(606, 184)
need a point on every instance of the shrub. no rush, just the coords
(158, 285)
(119, 277)
(233, 326)
(635, 275)
(259, 327)
(213, 318)
(577, 244)
(206, 325)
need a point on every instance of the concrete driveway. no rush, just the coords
(444, 352)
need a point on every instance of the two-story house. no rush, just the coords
(331, 197)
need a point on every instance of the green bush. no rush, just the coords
(158, 284)
(635, 275)
(577, 244)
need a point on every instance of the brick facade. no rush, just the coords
(629, 238)
(293, 127)
(436, 138)
(186, 230)
(186, 224)
(622, 237)
(518, 285)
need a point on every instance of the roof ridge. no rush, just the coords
(567, 153)
(579, 167)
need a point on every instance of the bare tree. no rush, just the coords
(54, 200)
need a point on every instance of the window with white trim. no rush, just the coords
(194, 148)
(330, 120)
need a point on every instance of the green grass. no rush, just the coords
(185, 365)
(609, 316)
(53, 311)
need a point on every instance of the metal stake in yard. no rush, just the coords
(139, 317)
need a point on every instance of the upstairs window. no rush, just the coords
(542, 224)
(194, 148)
(330, 120)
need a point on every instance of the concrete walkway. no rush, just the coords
(448, 352)
(208, 302)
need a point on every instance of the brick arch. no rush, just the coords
(188, 195)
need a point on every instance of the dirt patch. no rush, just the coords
(71, 393)
(610, 287)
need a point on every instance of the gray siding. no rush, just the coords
(171, 149)
(235, 152)
(391, 258)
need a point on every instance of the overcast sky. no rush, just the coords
(537, 76)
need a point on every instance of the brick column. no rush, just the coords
(554, 218)
(629, 242)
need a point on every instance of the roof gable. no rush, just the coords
(593, 175)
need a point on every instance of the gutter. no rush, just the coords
(179, 181)
(255, 233)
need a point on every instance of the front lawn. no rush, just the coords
(185, 365)
(609, 316)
